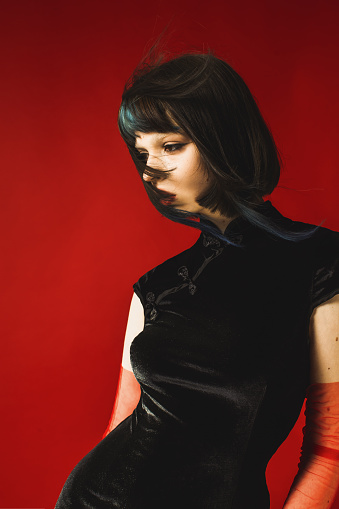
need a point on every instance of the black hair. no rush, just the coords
(204, 97)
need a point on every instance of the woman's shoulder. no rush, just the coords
(320, 239)
(323, 242)
(319, 254)
(325, 266)
(301, 233)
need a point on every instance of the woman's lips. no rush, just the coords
(168, 199)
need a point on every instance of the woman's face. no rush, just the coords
(177, 152)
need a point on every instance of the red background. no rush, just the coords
(77, 227)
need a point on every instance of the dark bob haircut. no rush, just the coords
(202, 96)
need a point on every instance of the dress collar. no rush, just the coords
(240, 223)
(240, 228)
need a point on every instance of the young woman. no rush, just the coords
(226, 339)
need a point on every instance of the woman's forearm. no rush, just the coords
(315, 485)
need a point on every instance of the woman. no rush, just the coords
(225, 339)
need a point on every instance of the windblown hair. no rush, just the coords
(202, 96)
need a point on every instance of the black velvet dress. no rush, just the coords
(223, 366)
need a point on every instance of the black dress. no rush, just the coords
(223, 367)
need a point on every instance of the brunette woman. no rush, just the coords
(226, 339)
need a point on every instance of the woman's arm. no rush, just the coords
(317, 480)
(128, 389)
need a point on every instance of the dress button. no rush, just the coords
(208, 240)
(153, 314)
(150, 298)
(183, 272)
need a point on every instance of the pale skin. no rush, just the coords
(165, 151)
(187, 181)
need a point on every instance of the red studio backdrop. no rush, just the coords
(77, 229)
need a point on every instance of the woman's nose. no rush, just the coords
(155, 162)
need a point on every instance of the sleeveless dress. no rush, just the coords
(223, 366)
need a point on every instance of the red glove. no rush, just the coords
(128, 390)
(317, 480)
(126, 399)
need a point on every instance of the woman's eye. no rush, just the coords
(170, 149)
(173, 147)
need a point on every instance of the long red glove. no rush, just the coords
(126, 399)
(317, 480)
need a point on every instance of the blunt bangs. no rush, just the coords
(144, 114)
